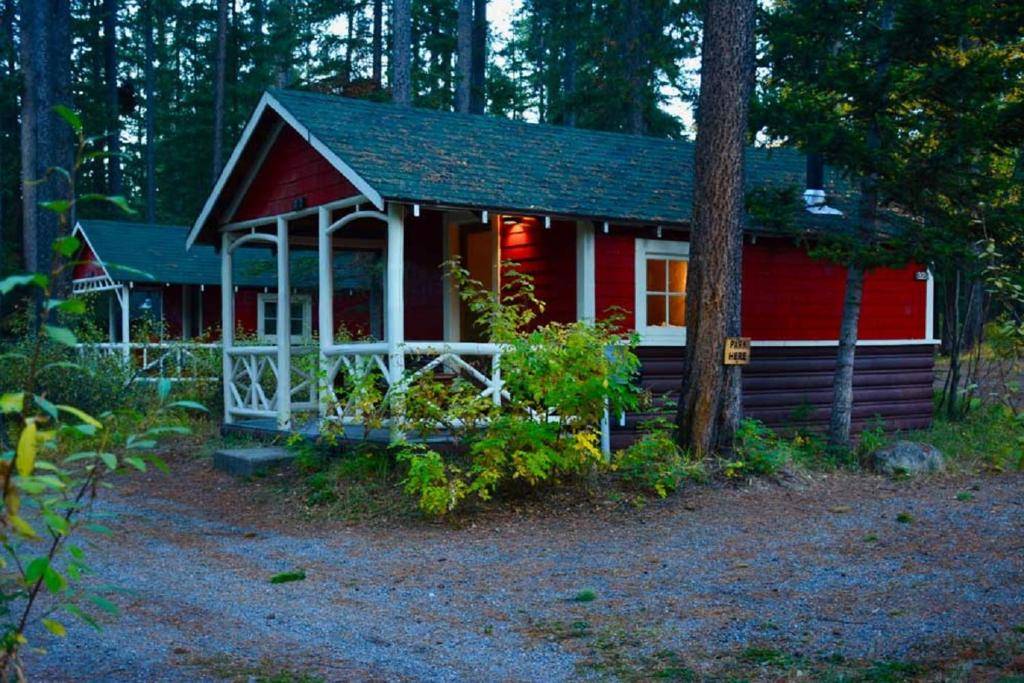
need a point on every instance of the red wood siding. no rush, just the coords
(616, 276)
(172, 311)
(787, 295)
(549, 257)
(292, 169)
(424, 286)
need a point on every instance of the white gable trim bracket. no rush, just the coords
(269, 102)
(80, 232)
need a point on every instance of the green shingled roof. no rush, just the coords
(159, 251)
(434, 157)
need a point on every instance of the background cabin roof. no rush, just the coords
(145, 252)
(434, 157)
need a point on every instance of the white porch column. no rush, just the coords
(111, 325)
(284, 329)
(394, 311)
(227, 316)
(450, 301)
(586, 281)
(325, 264)
(126, 329)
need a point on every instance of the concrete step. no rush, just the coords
(248, 462)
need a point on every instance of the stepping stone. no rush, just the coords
(248, 462)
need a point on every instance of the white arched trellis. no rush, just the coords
(354, 356)
(244, 367)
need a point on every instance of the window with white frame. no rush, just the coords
(661, 270)
(301, 323)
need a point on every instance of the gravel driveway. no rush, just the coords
(821, 566)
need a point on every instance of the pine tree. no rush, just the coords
(705, 418)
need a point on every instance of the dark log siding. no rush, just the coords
(792, 386)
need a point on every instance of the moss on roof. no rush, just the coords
(434, 157)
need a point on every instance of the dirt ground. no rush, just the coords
(815, 575)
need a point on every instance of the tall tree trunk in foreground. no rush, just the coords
(150, 86)
(46, 140)
(219, 66)
(726, 79)
(635, 67)
(113, 104)
(378, 43)
(401, 52)
(478, 70)
(841, 417)
(8, 124)
(463, 76)
(569, 66)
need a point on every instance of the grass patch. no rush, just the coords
(616, 648)
(988, 437)
(363, 483)
(905, 518)
(266, 670)
(586, 595)
(965, 496)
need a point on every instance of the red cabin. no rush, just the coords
(600, 220)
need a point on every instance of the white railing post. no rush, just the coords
(125, 301)
(325, 263)
(226, 322)
(284, 329)
(395, 311)
(496, 377)
(227, 316)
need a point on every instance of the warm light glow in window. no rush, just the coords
(666, 292)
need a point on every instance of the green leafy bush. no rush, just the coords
(559, 379)
(758, 450)
(55, 456)
(656, 462)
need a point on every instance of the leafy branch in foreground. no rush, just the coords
(54, 458)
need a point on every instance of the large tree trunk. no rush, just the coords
(635, 67)
(46, 140)
(478, 72)
(841, 417)
(8, 132)
(401, 53)
(463, 77)
(726, 79)
(568, 104)
(113, 105)
(378, 43)
(150, 86)
(219, 67)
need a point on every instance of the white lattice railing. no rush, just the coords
(370, 361)
(151, 361)
(253, 387)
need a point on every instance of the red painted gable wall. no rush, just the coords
(548, 255)
(86, 265)
(292, 169)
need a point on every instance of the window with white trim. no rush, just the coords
(661, 271)
(301, 322)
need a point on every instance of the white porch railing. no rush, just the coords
(151, 361)
(253, 389)
(358, 360)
